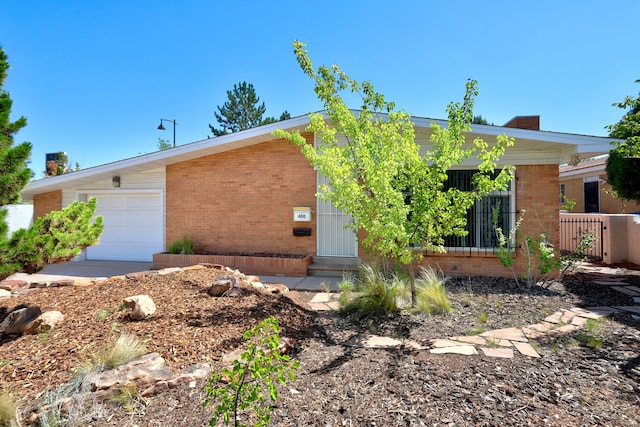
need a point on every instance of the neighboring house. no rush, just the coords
(237, 193)
(586, 184)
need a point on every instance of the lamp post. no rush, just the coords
(174, 128)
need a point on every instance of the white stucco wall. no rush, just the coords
(19, 216)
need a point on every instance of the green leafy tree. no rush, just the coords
(252, 382)
(164, 144)
(377, 175)
(623, 164)
(55, 237)
(242, 111)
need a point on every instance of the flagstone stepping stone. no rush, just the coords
(611, 282)
(564, 329)
(626, 290)
(321, 297)
(531, 333)
(542, 327)
(630, 308)
(511, 334)
(636, 300)
(594, 312)
(441, 342)
(467, 350)
(501, 352)
(567, 316)
(633, 288)
(526, 349)
(579, 321)
(373, 341)
(471, 339)
(555, 317)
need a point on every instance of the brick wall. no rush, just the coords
(46, 202)
(242, 200)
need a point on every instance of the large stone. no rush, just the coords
(222, 284)
(11, 284)
(142, 372)
(141, 306)
(44, 323)
(4, 293)
(17, 320)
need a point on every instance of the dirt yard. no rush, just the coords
(571, 384)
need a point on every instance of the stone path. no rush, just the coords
(501, 343)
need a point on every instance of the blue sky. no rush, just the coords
(94, 77)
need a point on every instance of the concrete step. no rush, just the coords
(334, 266)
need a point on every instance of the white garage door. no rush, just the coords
(133, 227)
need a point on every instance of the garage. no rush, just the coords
(133, 226)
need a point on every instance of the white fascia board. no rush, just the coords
(597, 169)
(163, 158)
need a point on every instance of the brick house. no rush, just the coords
(237, 193)
(586, 184)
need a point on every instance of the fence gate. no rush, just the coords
(572, 231)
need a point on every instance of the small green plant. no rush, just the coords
(184, 246)
(498, 304)
(253, 377)
(103, 314)
(566, 203)
(547, 261)
(8, 409)
(431, 292)
(585, 241)
(477, 331)
(506, 251)
(483, 317)
(379, 294)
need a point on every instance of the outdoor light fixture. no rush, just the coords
(174, 128)
(115, 181)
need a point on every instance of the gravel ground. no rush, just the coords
(571, 384)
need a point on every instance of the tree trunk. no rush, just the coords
(412, 279)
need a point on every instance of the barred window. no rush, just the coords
(480, 227)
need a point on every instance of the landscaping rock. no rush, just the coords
(221, 285)
(17, 320)
(142, 372)
(4, 293)
(12, 284)
(141, 306)
(44, 323)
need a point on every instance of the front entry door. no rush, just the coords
(333, 238)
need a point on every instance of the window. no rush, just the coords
(480, 226)
(562, 193)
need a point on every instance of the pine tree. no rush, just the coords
(56, 237)
(242, 111)
(14, 174)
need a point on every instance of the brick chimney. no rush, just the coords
(524, 122)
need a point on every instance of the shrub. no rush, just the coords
(8, 409)
(431, 293)
(126, 348)
(183, 246)
(379, 294)
(254, 376)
